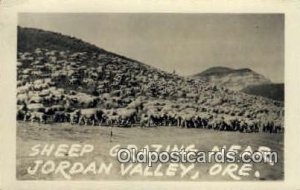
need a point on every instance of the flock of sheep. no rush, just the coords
(89, 88)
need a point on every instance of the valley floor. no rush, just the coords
(30, 135)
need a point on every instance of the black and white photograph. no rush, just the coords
(150, 96)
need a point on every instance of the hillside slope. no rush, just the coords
(29, 39)
(272, 91)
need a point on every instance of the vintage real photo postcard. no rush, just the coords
(150, 97)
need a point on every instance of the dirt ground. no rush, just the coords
(30, 135)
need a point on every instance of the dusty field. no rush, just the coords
(29, 135)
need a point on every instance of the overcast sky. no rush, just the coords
(188, 43)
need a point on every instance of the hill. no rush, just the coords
(215, 71)
(272, 91)
(234, 79)
(29, 39)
